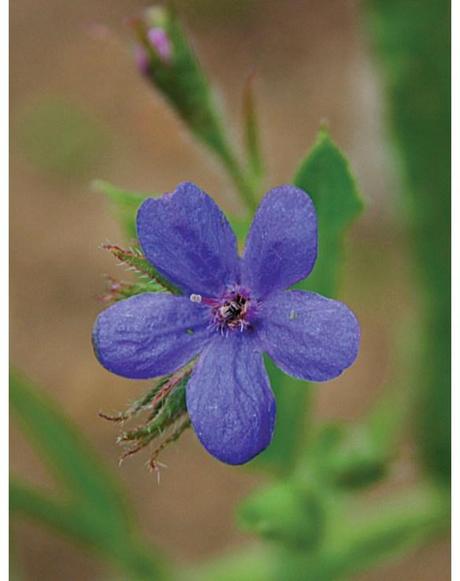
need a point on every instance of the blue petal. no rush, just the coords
(282, 243)
(150, 334)
(307, 335)
(188, 239)
(230, 401)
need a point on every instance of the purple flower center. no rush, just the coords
(234, 310)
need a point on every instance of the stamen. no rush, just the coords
(195, 298)
(233, 311)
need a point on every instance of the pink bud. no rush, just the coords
(161, 43)
(142, 59)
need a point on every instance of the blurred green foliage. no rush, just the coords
(89, 507)
(286, 513)
(348, 456)
(364, 536)
(61, 139)
(412, 40)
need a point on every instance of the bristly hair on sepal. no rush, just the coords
(167, 418)
(136, 262)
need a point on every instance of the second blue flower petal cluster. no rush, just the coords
(232, 311)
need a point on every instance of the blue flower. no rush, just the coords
(233, 309)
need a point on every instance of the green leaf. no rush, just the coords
(90, 508)
(325, 175)
(124, 204)
(418, 91)
(292, 398)
(240, 225)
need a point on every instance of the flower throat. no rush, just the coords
(231, 312)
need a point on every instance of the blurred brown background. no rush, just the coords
(80, 111)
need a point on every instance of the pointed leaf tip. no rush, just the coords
(325, 174)
(124, 204)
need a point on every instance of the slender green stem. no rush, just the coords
(245, 186)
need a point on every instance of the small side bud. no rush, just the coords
(141, 59)
(168, 61)
(161, 43)
(285, 513)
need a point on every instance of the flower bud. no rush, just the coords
(164, 56)
(285, 513)
(141, 59)
(160, 43)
